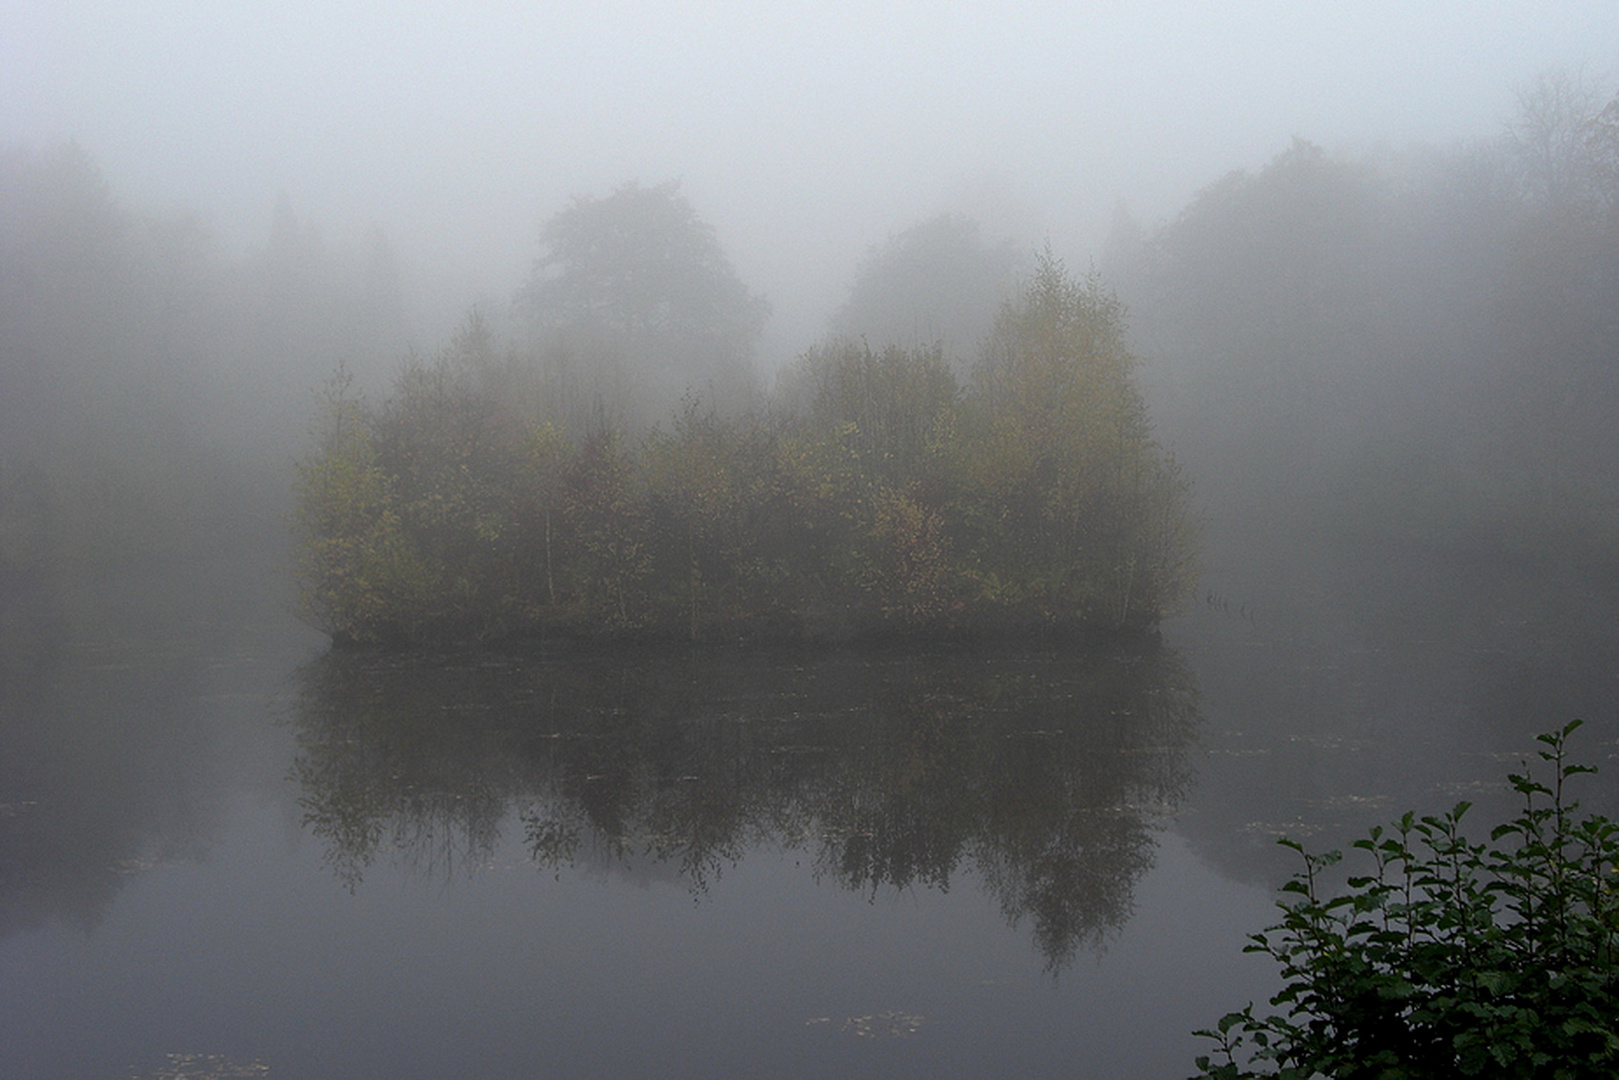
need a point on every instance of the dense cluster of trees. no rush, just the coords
(876, 492)
(634, 303)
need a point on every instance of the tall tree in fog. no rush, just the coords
(1553, 388)
(1264, 280)
(104, 331)
(636, 280)
(1065, 461)
(1562, 140)
(1416, 356)
(936, 283)
(94, 308)
(149, 388)
(304, 306)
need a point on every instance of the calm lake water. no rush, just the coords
(236, 854)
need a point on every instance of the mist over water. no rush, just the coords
(1369, 268)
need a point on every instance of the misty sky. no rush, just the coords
(804, 131)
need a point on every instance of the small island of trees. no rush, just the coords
(496, 493)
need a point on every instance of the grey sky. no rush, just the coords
(803, 131)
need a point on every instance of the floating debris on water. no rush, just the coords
(885, 1024)
(204, 1067)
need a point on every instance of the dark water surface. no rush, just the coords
(240, 855)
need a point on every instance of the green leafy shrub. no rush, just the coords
(1450, 958)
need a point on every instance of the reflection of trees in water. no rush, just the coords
(1038, 772)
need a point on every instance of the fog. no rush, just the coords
(1347, 239)
(1363, 263)
(803, 132)
(1364, 253)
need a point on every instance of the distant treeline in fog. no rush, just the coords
(1410, 354)
(153, 392)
